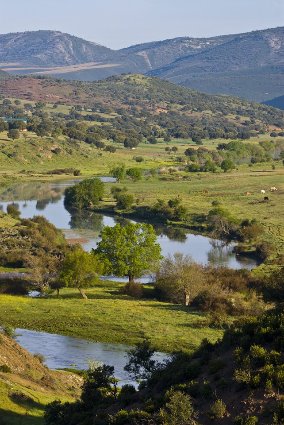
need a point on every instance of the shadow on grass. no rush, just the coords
(12, 418)
(175, 307)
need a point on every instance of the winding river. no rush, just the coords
(47, 199)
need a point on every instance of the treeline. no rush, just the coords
(230, 155)
(132, 109)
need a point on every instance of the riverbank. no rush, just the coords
(110, 316)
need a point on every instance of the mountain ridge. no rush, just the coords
(216, 65)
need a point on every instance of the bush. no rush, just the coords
(178, 410)
(180, 279)
(246, 420)
(126, 394)
(133, 289)
(218, 410)
(124, 201)
(132, 417)
(85, 194)
(39, 357)
(5, 368)
(13, 210)
(9, 331)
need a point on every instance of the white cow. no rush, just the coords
(262, 191)
(273, 189)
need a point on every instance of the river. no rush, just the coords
(47, 199)
(61, 352)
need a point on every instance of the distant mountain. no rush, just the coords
(277, 102)
(64, 55)
(251, 62)
(161, 53)
(248, 65)
(49, 48)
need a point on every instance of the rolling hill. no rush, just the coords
(139, 95)
(248, 65)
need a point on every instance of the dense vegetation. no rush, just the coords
(129, 109)
(236, 381)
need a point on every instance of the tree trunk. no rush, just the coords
(83, 293)
(186, 298)
(57, 292)
(130, 278)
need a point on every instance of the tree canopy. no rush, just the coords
(80, 270)
(85, 194)
(130, 250)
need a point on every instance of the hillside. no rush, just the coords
(146, 94)
(259, 54)
(277, 102)
(26, 385)
(249, 65)
(161, 53)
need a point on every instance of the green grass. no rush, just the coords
(109, 316)
(26, 413)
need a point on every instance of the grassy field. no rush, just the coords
(199, 190)
(31, 158)
(27, 413)
(109, 316)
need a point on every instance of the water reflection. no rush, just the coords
(80, 352)
(46, 199)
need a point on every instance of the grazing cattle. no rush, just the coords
(247, 193)
(266, 198)
(262, 191)
(273, 189)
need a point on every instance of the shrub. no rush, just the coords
(180, 279)
(5, 368)
(218, 410)
(124, 201)
(246, 420)
(39, 357)
(85, 194)
(132, 417)
(13, 210)
(133, 289)
(126, 394)
(9, 331)
(178, 410)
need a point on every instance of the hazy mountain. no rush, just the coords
(249, 65)
(251, 62)
(161, 53)
(277, 102)
(49, 48)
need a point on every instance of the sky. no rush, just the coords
(120, 23)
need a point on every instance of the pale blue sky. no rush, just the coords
(119, 23)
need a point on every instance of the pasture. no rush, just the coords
(109, 316)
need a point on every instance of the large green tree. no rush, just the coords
(80, 270)
(85, 194)
(130, 250)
